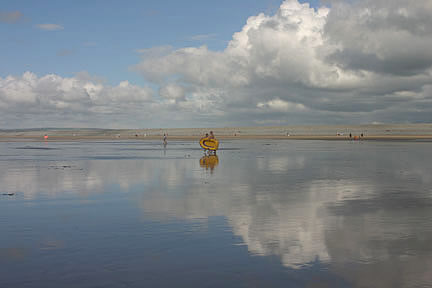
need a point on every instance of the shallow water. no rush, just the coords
(263, 214)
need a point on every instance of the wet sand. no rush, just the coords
(264, 213)
(399, 132)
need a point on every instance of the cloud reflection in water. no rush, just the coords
(362, 210)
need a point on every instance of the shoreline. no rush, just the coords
(376, 132)
(53, 138)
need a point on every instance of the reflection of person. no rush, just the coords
(209, 161)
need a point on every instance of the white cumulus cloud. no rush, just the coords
(33, 99)
(350, 62)
(172, 91)
(281, 105)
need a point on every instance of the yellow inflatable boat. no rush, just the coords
(209, 144)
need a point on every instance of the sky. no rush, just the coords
(167, 64)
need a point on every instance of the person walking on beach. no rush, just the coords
(211, 135)
(206, 136)
(165, 142)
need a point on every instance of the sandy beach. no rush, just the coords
(399, 132)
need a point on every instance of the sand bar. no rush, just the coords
(400, 132)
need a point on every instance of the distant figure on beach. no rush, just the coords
(211, 135)
(350, 135)
(361, 135)
(165, 142)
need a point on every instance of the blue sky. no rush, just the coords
(101, 37)
(214, 63)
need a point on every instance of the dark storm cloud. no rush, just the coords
(401, 66)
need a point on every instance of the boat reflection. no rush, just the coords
(209, 162)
